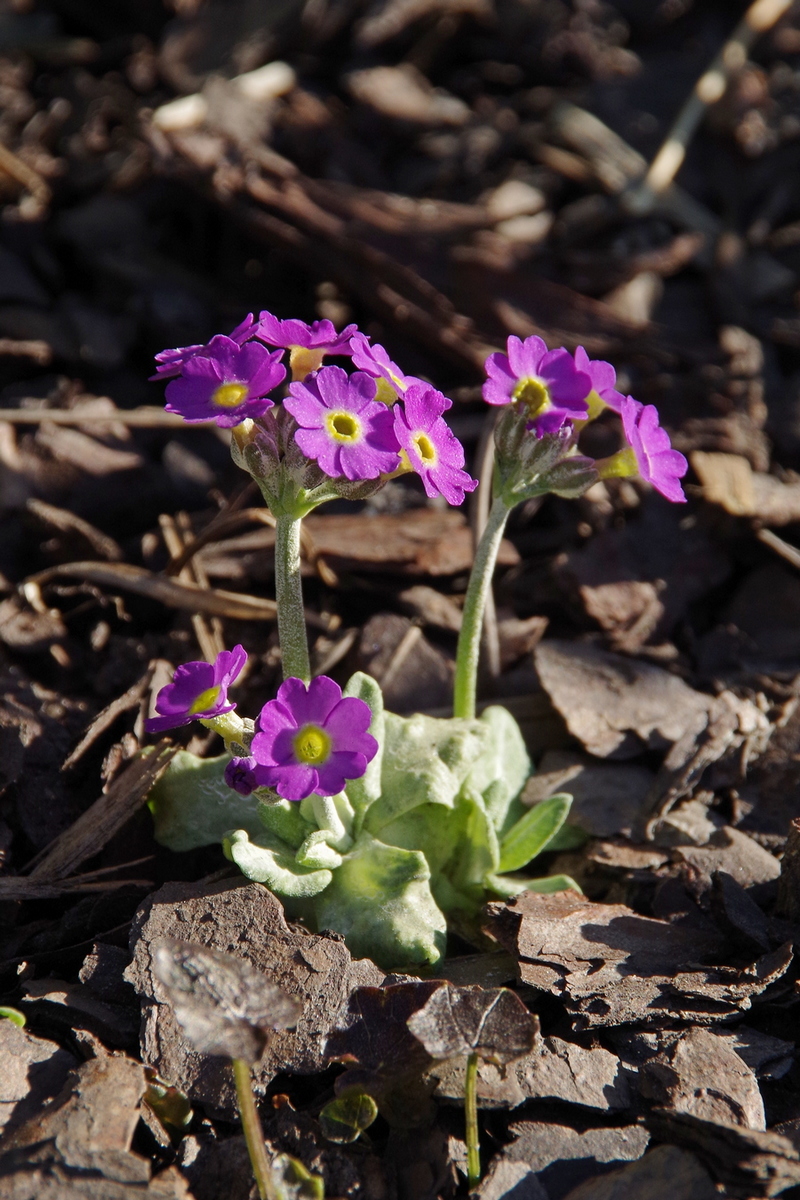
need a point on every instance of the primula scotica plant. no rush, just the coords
(382, 827)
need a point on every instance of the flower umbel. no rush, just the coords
(226, 383)
(433, 450)
(546, 381)
(307, 344)
(649, 452)
(312, 739)
(199, 691)
(341, 424)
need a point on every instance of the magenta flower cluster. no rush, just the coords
(310, 739)
(560, 389)
(373, 422)
(377, 421)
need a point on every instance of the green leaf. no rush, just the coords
(425, 761)
(364, 791)
(282, 818)
(511, 885)
(193, 806)
(569, 837)
(277, 868)
(503, 768)
(553, 883)
(381, 902)
(317, 852)
(345, 1118)
(532, 832)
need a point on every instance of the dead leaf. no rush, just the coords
(608, 799)
(549, 1151)
(729, 481)
(679, 1079)
(95, 827)
(235, 916)
(665, 1173)
(78, 1146)
(223, 1004)
(748, 1162)
(610, 965)
(490, 1022)
(34, 1069)
(617, 706)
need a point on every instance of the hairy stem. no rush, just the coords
(289, 597)
(480, 582)
(253, 1133)
(471, 1122)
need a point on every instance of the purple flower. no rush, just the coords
(547, 381)
(433, 450)
(604, 380)
(376, 362)
(242, 774)
(342, 426)
(226, 382)
(172, 362)
(311, 739)
(656, 461)
(307, 344)
(198, 690)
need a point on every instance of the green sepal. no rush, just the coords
(532, 832)
(275, 867)
(380, 900)
(193, 806)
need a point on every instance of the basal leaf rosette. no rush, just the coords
(413, 845)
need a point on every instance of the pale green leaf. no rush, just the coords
(381, 902)
(193, 806)
(278, 869)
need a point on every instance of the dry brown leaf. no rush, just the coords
(235, 916)
(618, 706)
(610, 965)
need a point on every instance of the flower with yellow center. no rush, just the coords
(226, 383)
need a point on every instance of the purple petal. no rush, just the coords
(333, 774)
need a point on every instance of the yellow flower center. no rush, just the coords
(204, 701)
(533, 393)
(343, 426)
(228, 395)
(385, 393)
(303, 360)
(425, 449)
(311, 745)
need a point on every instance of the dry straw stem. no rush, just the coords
(146, 417)
(710, 88)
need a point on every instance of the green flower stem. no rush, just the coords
(471, 1122)
(289, 597)
(480, 582)
(253, 1133)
